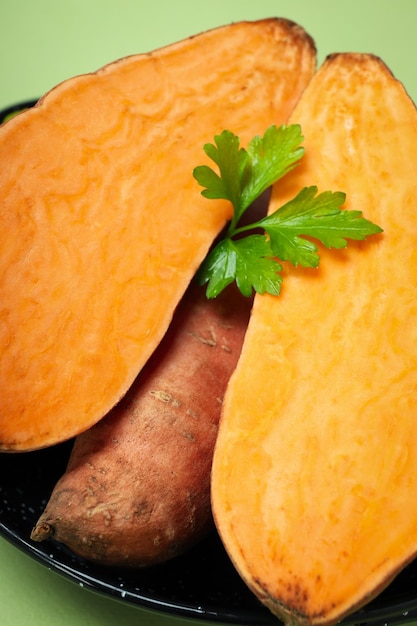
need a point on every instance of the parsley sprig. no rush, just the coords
(254, 260)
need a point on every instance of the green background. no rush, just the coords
(43, 42)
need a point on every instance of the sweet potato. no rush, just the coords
(103, 226)
(314, 470)
(137, 487)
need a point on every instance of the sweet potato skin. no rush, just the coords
(318, 428)
(102, 224)
(136, 491)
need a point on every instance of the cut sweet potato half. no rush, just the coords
(314, 473)
(102, 225)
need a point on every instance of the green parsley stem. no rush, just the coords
(232, 230)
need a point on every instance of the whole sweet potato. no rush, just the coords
(137, 487)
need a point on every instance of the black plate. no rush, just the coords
(201, 584)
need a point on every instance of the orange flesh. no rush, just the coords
(102, 225)
(315, 466)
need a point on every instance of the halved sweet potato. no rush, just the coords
(102, 225)
(314, 472)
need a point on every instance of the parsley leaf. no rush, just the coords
(249, 261)
(253, 261)
(245, 174)
(318, 216)
(231, 161)
(270, 158)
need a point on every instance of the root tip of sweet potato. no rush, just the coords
(42, 531)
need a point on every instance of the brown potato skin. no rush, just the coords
(136, 491)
